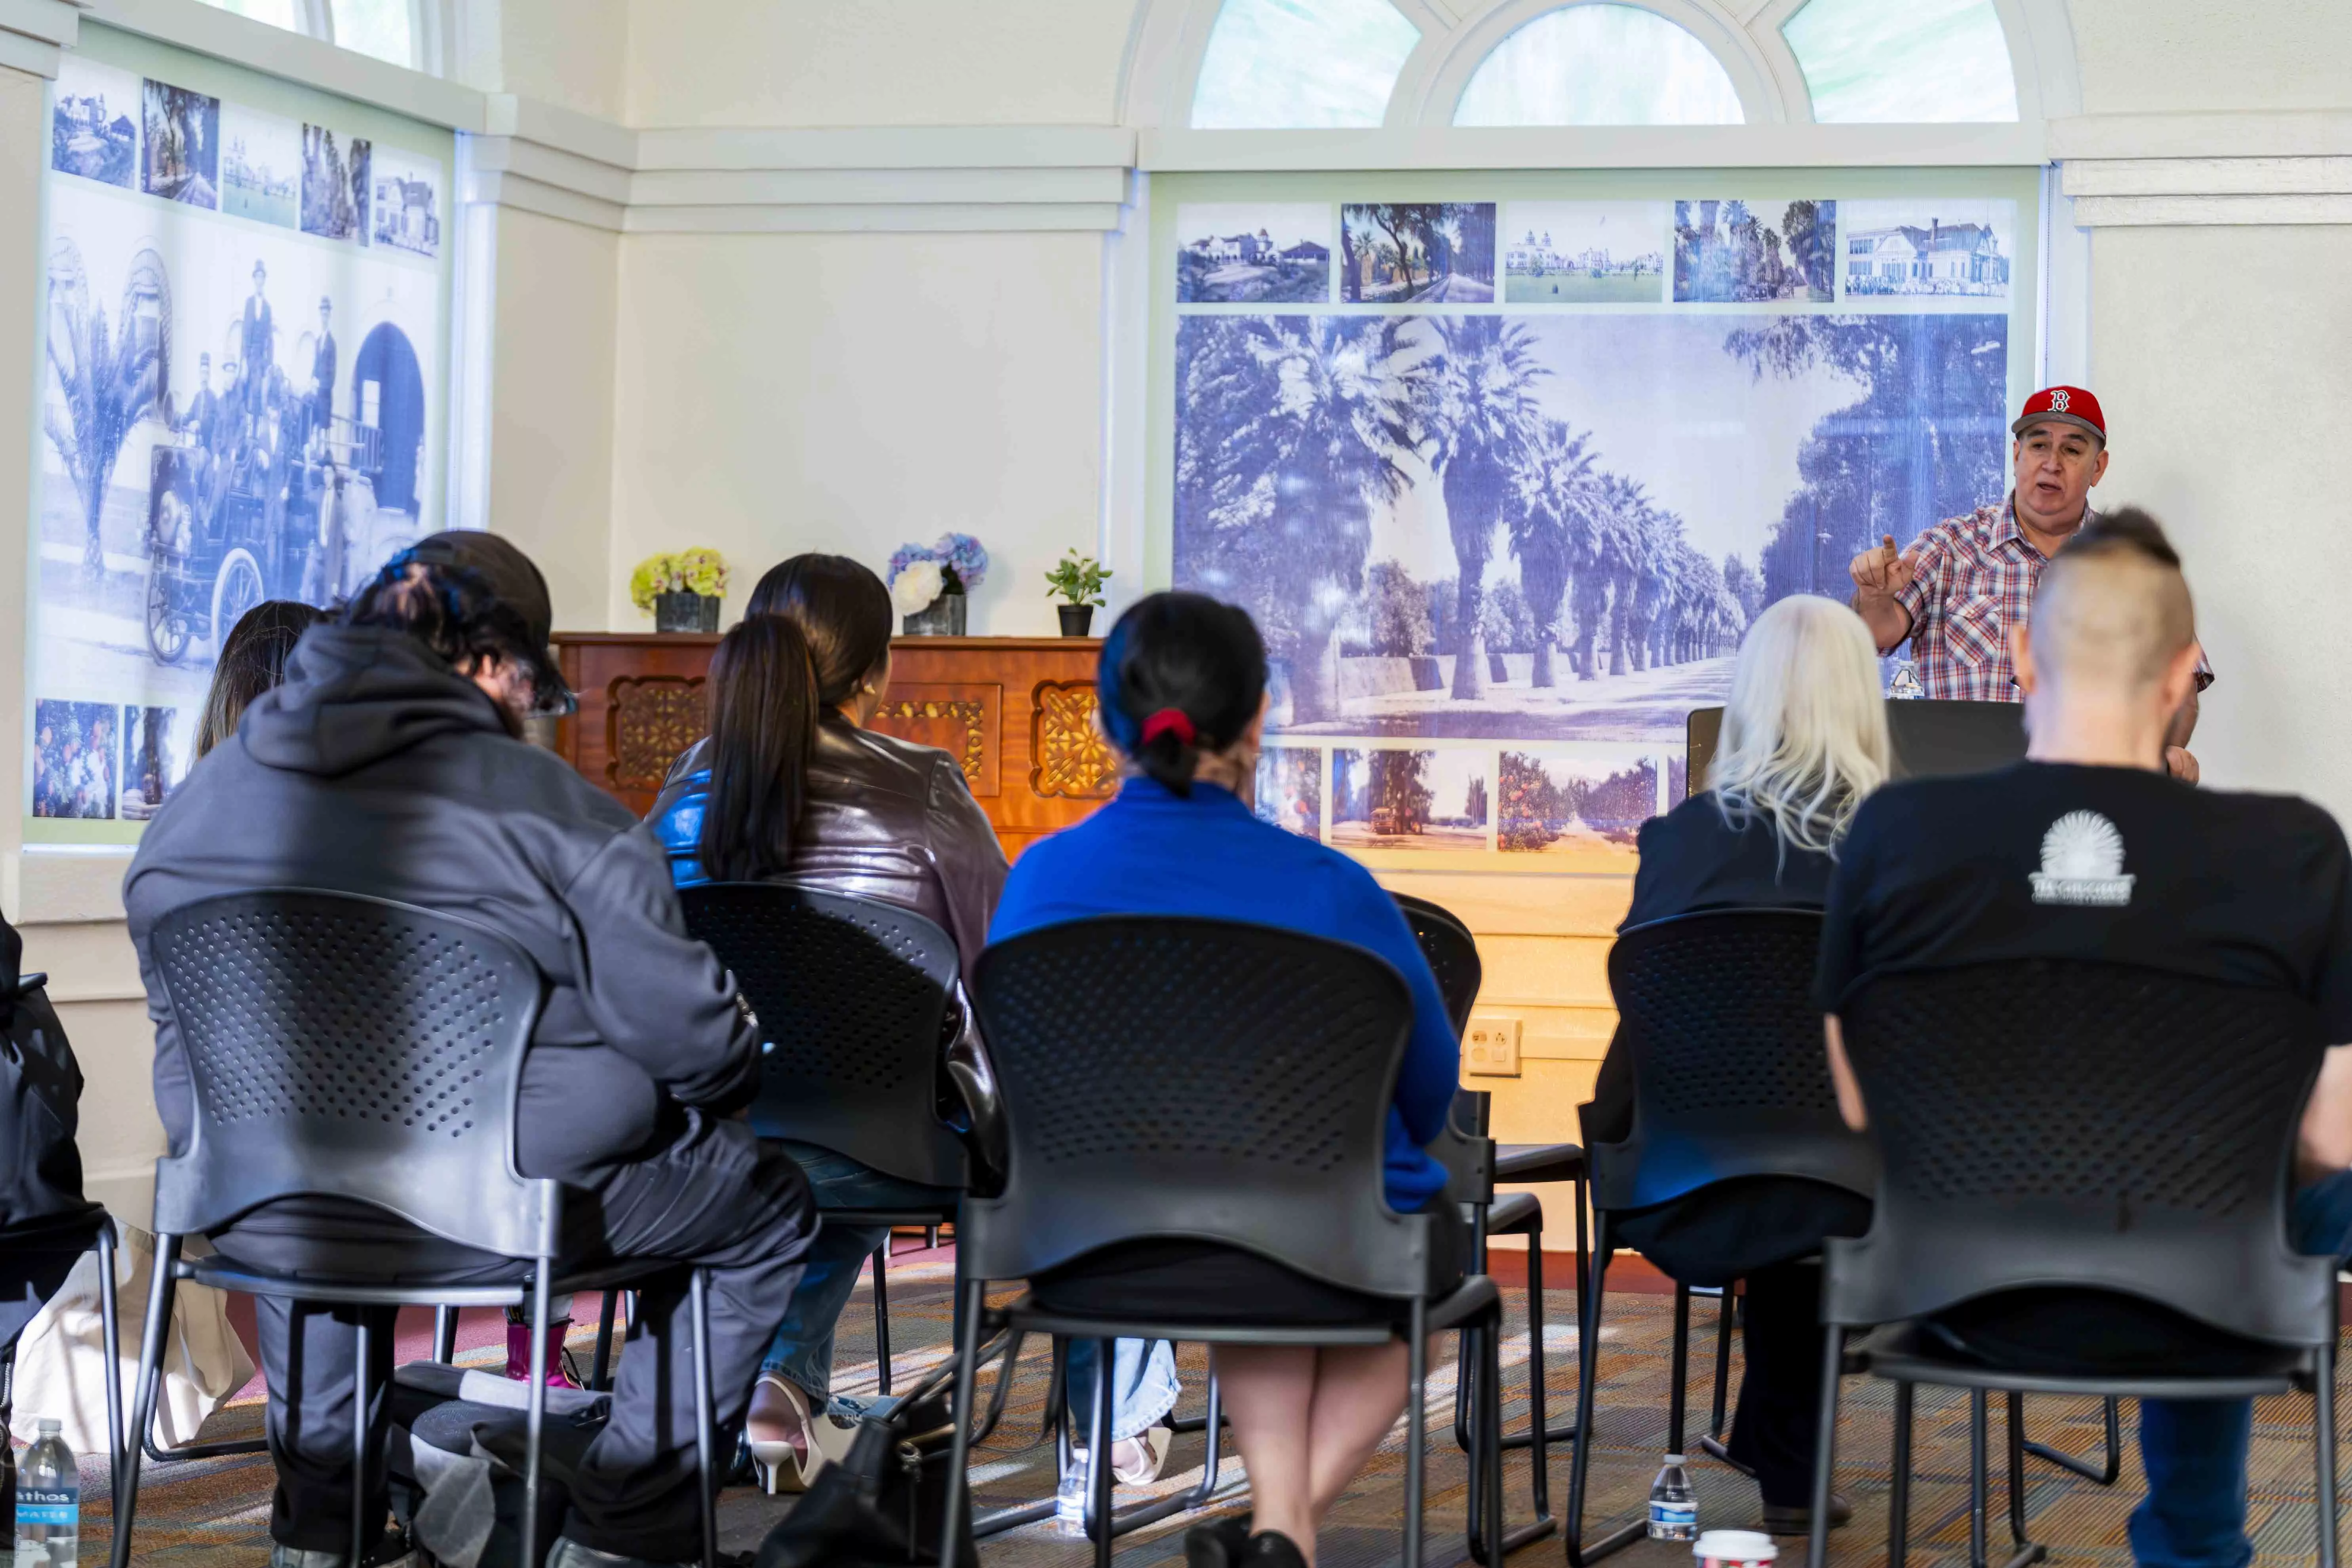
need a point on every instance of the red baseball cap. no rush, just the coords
(2065, 405)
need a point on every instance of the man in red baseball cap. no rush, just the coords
(1963, 583)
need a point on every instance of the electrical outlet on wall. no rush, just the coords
(1490, 1046)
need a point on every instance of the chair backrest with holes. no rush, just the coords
(851, 996)
(349, 1047)
(1730, 1076)
(1170, 1077)
(2069, 1122)
(1451, 952)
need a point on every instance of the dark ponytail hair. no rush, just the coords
(816, 628)
(843, 612)
(252, 661)
(1180, 674)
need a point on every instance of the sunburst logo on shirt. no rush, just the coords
(2082, 862)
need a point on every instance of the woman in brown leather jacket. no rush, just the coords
(790, 786)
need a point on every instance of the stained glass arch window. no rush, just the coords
(1292, 65)
(387, 29)
(1599, 65)
(1866, 62)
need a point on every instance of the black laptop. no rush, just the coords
(1930, 738)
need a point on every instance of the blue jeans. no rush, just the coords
(802, 1351)
(1143, 1387)
(2194, 1450)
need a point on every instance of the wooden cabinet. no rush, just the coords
(1018, 714)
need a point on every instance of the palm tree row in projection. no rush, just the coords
(1297, 428)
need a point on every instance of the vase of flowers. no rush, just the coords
(1077, 580)
(682, 591)
(930, 584)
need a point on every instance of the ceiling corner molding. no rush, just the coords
(918, 179)
(556, 162)
(34, 34)
(2166, 171)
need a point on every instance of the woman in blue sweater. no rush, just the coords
(1182, 686)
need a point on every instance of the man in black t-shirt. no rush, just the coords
(2088, 850)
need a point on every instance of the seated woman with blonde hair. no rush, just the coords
(1804, 740)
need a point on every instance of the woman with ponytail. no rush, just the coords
(1183, 684)
(792, 787)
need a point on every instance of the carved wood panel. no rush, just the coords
(1072, 763)
(963, 719)
(650, 720)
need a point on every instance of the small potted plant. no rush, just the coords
(930, 584)
(1079, 579)
(682, 591)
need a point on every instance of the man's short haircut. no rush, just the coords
(2112, 609)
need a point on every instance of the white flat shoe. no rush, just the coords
(1127, 1467)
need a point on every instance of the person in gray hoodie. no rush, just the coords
(390, 763)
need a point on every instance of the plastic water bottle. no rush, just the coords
(48, 1502)
(1674, 1507)
(1070, 1502)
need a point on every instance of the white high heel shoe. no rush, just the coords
(779, 1465)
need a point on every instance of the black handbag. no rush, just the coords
(883, 1505)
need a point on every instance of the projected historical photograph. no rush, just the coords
(1556, 526)
(1244, 253)
(73, 759)
(181, 146)
(94, 129)
(1290, 789)
(405, 203)
(261, 166)
(1935, 247)
(335, 191)
(1557, 800)
(1584, 253)
(1730, 252)
(1383, 799)
(158, 744)
(1437, 253)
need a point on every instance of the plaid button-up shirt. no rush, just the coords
(1975, 580)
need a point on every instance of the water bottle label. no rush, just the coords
(1673, 1513)
(44, 1512)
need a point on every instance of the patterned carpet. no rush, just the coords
(213, 1514)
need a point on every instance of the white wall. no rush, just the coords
(2177, 56)
(875, 62)
(850, 392)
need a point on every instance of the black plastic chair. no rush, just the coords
(852, 997)
(353, 1048)
(1731, 1081)
(1170, 1078)
(2070, 1123)
(1474, 1163)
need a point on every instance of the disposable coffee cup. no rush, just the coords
(1735, 1549)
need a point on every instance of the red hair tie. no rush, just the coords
(1169, 721)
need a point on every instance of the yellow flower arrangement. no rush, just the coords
(696, 571)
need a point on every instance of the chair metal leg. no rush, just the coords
(1678, 1384)
(360, 1435)
(1213, 1424)
(1825, 1444)
(444, 1334)
(1462, 1353)
(882, 1311)
(1711, 1442)
(2323, 1420)
(1588, 1345)
(1898, 1505)
(705, 1455)
(1416, 1426)
(110, 1317)
(960, 1407)
(1484, 1493)
(1538, 1372)
(151, 1363)
(1098, 1462)
(2023, 1549)
(535, 1413)
(2103, 1474)
(600, 1370)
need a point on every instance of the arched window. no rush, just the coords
(387, 29)
(1867, 62)
(1599, 65)
(1279, 65)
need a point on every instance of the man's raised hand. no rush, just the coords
(1885, 570)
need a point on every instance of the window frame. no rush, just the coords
(428, 29)
(1171, 41)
